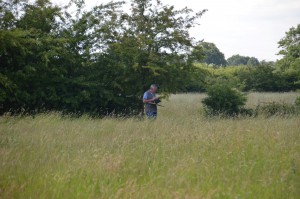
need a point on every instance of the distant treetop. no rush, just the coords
(211, 54)
(237, 60)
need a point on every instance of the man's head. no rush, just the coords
(153, 88)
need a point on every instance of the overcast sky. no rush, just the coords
(245, 27)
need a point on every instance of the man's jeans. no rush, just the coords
(151, 115)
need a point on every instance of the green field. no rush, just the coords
(181, 155)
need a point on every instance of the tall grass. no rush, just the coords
(261, 98)
(181, 155)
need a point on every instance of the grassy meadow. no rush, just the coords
(181, 155)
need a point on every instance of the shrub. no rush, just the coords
(277, 109)
(224, 100)
(297, 102)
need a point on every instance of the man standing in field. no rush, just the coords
(150, 100)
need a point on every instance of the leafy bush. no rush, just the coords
(83, 64)
(277, 109)
(297, 102)
(262, 78)
(224, 100)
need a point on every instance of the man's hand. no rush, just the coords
(150, 100)
(154, 99)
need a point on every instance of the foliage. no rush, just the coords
(100, 60)
(289, 65)
(96, 61)
(224, 74)
(224, 100)
(253, 62)
(248, 74)
(262, 78)
(237, 60)
(212, 55)
(277, 109)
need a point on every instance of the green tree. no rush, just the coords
(26, 55)
(237, 60)
(289, 65)
(98, 61)
(290, 49)
(262, 78)
(212, 55)
(253, 61)
(153, 46)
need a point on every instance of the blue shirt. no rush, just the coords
(149, 107)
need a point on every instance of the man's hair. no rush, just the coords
(153, 86)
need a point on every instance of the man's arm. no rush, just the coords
(147, 100)
(150, 100)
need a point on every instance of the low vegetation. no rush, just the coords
(98, 60)
(278, 109)
(224, 100)
(181, 155)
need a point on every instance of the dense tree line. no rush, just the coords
(214, 57)
(96, 61)
(262, 78)
(237, 60)
(211, 54)
(100, 61)
(249, 74)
